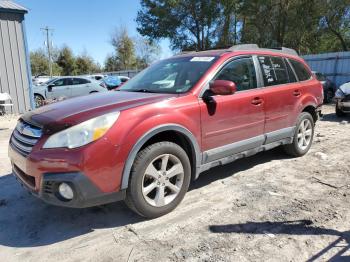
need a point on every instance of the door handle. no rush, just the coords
(257, 101)
(296, 93)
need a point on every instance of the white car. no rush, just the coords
(124, 79)
(66, 87)
(39, 80)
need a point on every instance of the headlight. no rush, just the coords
(82, 133)
(339, 94)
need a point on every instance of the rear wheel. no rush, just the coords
(160, 178)
(303, 136)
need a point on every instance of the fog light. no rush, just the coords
(66, 191)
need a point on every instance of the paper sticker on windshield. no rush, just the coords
(202, 59)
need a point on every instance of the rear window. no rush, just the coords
(274, 70)
(301, 71)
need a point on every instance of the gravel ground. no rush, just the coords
(268, 207)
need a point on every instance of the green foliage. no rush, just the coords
(308, 26)
(129, 52)
(64, 63)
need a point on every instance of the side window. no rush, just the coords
(60, 82)
(274, 70)
(302, 73)
(79, 81)
(241, 72)
(292, 77)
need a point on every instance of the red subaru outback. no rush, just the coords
(181, 116)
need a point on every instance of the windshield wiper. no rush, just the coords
(140, 90)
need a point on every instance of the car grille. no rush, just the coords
(24, 137)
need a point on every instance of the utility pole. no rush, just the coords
(48, 45)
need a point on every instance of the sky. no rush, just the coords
(84, 25)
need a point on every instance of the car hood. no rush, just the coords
(345, 88)
(61, 115)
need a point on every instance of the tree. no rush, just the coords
(147, 51)
(309, 26)
(66, 61)
(336, 21)
(84, 64)
(111, 63)
(188, 24)
(124, 48)
(40, 64)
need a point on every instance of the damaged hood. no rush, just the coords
(345, 88)
(58, 116)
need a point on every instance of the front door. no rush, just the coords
(59, 89)
(234, 123)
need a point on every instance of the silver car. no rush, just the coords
(65, 87)
(342, 99)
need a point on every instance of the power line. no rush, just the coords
(47, 31)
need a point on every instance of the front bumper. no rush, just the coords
(86, 194)
(344, 106)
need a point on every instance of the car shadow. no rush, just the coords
(299, 227)
(26, 221)
(334, 118)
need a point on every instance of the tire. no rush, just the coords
(328, 97)
(140, 196)
(338, 111)
(38, 100)
(302, 141)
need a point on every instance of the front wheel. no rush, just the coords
(159, 179)
(338, 111)
(39, 100)
(303, 136)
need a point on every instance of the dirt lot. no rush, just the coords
(267, 207)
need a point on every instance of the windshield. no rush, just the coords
(174, 75)
(49, 81)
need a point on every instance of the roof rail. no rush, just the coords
(244, 47)
(284, 50)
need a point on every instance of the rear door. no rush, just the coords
(80, 86)
(282, 91)
(234, 123)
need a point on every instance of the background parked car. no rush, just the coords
(111, 82)
(40, 79)
(66, 87)
(329, 87)
(342, 98)
(97, 77)
(124, 79)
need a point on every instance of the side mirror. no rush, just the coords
(222, 87)
(49, 88)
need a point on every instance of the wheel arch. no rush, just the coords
(185, 138)
(311, 109)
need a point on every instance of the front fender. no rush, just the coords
(154, 131)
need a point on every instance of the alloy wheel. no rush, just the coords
(304, 134)
(163, 180)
